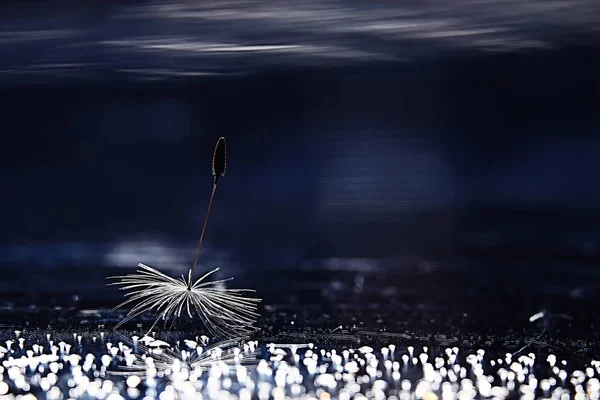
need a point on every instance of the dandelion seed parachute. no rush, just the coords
(222, 311)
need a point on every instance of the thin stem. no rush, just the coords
(212, 195)
(530, 343)
(153, 325)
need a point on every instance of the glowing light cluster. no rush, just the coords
(114, 366)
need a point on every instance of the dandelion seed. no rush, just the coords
(546, 317)
(222, 311)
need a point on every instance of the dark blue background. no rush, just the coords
(459, 157)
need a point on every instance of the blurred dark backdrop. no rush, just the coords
(439, 153)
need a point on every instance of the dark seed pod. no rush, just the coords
(219, 162)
